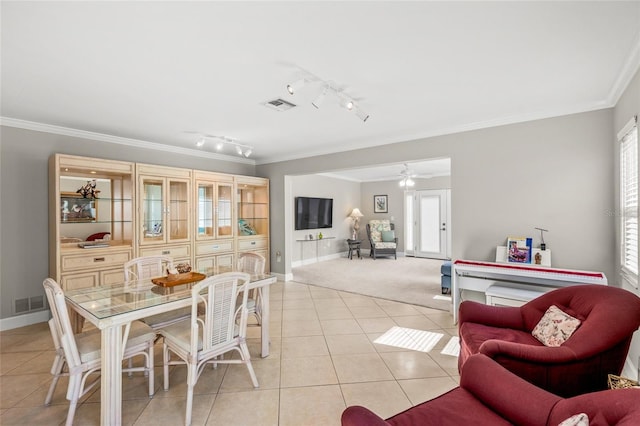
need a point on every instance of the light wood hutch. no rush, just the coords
(200, 217)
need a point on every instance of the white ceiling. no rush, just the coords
(168, 72)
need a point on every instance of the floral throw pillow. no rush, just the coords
(577, 420)
(555, 327)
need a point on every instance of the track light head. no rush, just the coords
(239, 149)
(200, 142)
(347, 103)
(296, 85)
(247, 152)
(219, 146)
(320, 98)
(362, 115)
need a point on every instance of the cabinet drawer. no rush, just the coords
(213, 247)
(94, 260)
(83, 280)
(209, 262)
(252, 244)
(112, 276)
(183, 250)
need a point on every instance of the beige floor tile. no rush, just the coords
(443, 319)
(355, 300)
(396, 309)
(298, 303)
(311, 406)
(349, 344)
(260, 407)
(412, 365)
(171, 411)
(237, 377)
(299, 314)
(301, 328)
(340, 326)
(369, 311)
(208, 383)
(383, 398)
(375, 325)
(15, 388)
(40, 415)
(418, 322)
(12, 360)
(420, 390)
(310, 371)
(354, 368)
(298, 381)
(380, 348)
(304, 346)
(323, 293)
(333, 312)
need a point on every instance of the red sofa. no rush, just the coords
(599, 346)
(491, 395)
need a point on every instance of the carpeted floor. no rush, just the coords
(407, 279)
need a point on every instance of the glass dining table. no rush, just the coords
(112, 308)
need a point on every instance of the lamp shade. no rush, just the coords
(355, 213)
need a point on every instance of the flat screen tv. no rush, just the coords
(314, 213)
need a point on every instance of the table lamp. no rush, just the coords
(355, 216)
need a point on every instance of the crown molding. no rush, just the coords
(629, 69)
(66, 131)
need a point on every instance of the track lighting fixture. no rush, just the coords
(296, 85)
(327, 87)
(361, 114)
(222, 141)
(320, 98)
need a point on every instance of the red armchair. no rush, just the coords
(598, 347)
(491, 395)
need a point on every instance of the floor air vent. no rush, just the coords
(279, 104)
(29, 304)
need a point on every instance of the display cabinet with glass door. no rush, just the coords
(164, 211)
(214, 220)
(91, 220)
(252, 207)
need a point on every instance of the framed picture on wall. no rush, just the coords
(380, 204)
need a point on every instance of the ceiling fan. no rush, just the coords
(406, 181)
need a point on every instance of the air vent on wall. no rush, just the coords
(279, 104)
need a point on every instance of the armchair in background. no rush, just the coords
(382, 238)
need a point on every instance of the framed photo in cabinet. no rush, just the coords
(75, 208)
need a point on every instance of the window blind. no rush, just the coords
(629, 200)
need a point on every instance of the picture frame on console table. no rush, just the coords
(380, 204)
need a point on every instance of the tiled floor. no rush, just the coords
(322, 359)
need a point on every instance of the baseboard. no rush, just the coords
(318, 259)
(24, 320)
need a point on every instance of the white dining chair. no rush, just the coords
(78, 356)
(220, 328)
(146, 267)
(253, 264)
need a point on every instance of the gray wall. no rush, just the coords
(24, 156)
(555, 173)
(346, 196)
(395, 202)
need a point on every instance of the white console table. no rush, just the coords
(479, 276)
(317, 240)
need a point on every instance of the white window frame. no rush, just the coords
(629, 193)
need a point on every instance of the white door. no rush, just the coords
(427, 219)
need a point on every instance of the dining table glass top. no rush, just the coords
(109, 300)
